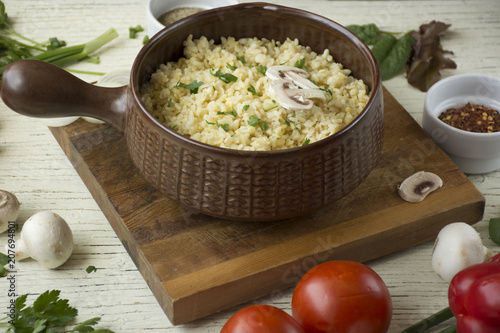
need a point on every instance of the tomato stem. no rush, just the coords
(430, 321)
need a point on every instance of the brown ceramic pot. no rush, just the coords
(217, 181)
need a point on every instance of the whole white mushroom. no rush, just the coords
(457, 246)
(47, 238)
(9, 209)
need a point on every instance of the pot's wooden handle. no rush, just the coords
(39, 89)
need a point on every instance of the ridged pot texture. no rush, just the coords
(245, 185)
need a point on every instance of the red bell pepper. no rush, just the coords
(474, 297)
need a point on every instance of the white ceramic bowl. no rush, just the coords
(474, 153)
(155, 8)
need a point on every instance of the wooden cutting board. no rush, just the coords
(197, 265)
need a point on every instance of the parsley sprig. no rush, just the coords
(47, 314)
(231, 112)
(224, 77)
(301, 64)
(192, 87)
(224, 126)
(256, 121)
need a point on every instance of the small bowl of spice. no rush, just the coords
(161, 13)
(461, 114)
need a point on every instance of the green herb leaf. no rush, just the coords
(246, 107)
(383, 46)
(242, 59)
(306, 142)
(252, 90)
(4, 259)
(263, 125)
(327, 90)
(192, 87)
(3, 16)
(231, 112)
(55, 43)
(494, 230)
(225, 127)
(224, 77)
(132, 31)
(301, 64)
(91, 269)
(231, 67)
(368, 33)
(40, 326)
(145, 40)
(253, 120)
(86, 326)
(48, 314)
(397, 58)
(256, 121)
(271, 108)
(262, 69)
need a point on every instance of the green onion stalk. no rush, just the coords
(67, 55)
(431, 321)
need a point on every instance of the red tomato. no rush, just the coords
(341, 297)
(262, 319)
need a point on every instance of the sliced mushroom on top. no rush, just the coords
(291, 88)
(416, 187)
(289, 96)
(297, 75)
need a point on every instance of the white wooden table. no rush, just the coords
(33, 166)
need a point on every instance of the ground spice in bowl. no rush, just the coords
(472, 118)
(176, 14)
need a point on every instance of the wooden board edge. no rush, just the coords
(245, 288)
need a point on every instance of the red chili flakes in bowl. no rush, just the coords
(472, 118)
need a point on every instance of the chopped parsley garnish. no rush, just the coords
(253, 91)
(271, 108)
(253, 121)
(262, 69)
(306, 142)
(327, 90)
(224, 77)
(231, 67)
(242, 59)
(256, 121)
(301, 64)
(246, 107)
(263, 125)
(231, 112)
(169, 103)
(192, 87)
(91, 269)
(225, 127)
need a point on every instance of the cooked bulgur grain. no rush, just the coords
(196, 97)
